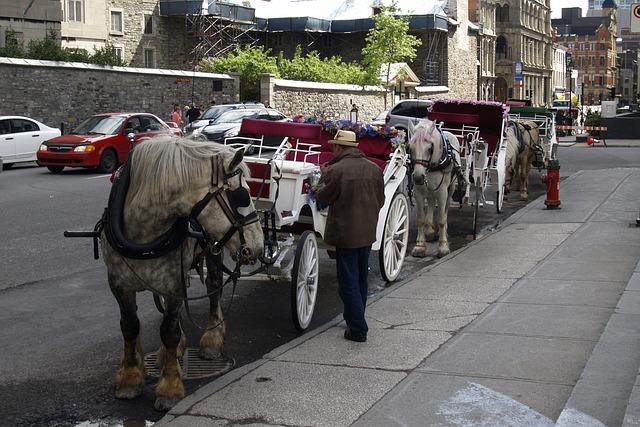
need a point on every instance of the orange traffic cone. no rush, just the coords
(590, 140)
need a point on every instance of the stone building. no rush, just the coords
(483, 14)
(524, 37)
(30, 20)
(592, 44)
(559, 76)
(141, 36)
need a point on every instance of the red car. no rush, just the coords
(101, 141)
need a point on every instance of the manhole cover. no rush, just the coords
(193, 367)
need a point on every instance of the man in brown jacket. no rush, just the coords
(353, 187)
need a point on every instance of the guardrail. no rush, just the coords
(590, 140)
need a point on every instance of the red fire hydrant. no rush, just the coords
(552, 180)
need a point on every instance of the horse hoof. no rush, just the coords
(443, 252)
(210, 353)
(164, 404)
(419, 252)
(128, 393)
(524, 198)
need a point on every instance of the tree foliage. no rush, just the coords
(387, 42)
(249, 62)
(315, 69)
(49, 49)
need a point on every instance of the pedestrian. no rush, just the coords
(353, 188)
(193, 113)
(176, 116)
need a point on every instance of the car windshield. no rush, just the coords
(103, 125)
(235, 116)
(214, 112)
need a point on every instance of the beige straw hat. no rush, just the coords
(346, 138)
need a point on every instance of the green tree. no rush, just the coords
(12, 47)
(250, 62)
(106, 55)
(387, 42)
(315, 69)
(47, 49)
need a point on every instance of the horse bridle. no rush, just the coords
(238, 198)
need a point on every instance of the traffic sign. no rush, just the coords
(635, 18)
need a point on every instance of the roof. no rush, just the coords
(340, 16)
(396, 69)
(334, 10)
(572, 22)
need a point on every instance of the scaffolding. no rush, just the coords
(216, 36)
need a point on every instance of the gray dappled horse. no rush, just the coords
(174, 184)
(523, 150)
(435, 172)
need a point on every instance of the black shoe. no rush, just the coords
(348, 335)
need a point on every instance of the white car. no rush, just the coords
(20, 138)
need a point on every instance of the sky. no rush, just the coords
(557, 5)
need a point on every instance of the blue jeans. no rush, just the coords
(353, 269)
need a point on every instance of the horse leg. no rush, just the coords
(524, 179)
(443, 209)
(130, 375)
(170, 388)
(430, 230)
(420, 249)
(212, 341)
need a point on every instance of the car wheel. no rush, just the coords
(55, 169)
(7, 166)
(108, 161)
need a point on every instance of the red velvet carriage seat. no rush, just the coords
(488, 116)
(375, 148)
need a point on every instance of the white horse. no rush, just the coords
(435, 157)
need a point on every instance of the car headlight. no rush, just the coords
(84, 148)
(196, 131)
(43, 147)
(231, 133)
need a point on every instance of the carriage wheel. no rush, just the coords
(499, 199)
(476, 205)
(395, 238)
(304, 281)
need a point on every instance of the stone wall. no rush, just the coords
(67, 93)
(326, 99)
(461, 52)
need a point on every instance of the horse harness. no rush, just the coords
(535, 148)
(445, 160)
(112, 225)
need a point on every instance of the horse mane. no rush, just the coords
(165, 166)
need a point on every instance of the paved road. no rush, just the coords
(60, 337)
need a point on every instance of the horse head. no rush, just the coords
(425, 148)
(205, 182)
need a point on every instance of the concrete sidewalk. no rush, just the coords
(536, 323)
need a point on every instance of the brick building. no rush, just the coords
(592, 44)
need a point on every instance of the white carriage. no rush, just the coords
(546, 121)
(479, 127)
(284, 160)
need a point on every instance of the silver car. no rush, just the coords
(212, 113)
(408, 110)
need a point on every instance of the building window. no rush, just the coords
(502, 13)
(148, 24)
(119, 53)
(603, 46)
(150, 58)
(74, 10)
(602, 61)
(581, 46)
(501, 48)
(116, 22)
